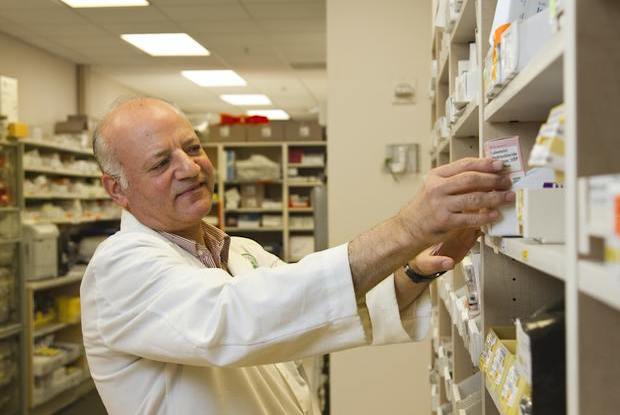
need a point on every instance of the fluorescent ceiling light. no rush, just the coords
(105, 3)
(247, 99)
(166, 44)
(271, 114)
(214, 78)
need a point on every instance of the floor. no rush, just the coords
(89, 404)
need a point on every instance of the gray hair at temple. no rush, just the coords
(104, 153)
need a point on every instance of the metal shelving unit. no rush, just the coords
(279, 152)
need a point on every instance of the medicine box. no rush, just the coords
(540, 214)
(303, 131)
(226, 133)
(273, 131)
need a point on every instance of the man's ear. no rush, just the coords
(113, 187)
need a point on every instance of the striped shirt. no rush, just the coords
(214, 254)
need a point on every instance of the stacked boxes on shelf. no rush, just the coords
(273, 208)
(11, 269)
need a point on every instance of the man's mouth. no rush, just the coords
(192, 188)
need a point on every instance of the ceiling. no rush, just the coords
(277, 46)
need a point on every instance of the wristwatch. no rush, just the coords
(417, 278)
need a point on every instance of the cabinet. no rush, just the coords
(59, 185)
(574, 66)
(12, 340)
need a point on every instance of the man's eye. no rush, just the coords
(160, 165)
(194, 149)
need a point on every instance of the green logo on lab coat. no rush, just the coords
(250, 258)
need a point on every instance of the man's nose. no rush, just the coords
(186, 166)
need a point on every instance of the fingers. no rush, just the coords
(476, 182)
(479, 200)
(428, 265)
(486, 165)
(470, 220)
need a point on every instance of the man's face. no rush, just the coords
(170, 177)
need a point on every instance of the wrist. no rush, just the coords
(416, 277)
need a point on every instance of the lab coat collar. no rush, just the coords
(237, 263)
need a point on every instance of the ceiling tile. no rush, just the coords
(205, 12)
(47, 15)
(75, 29)
(243, 26)
(30, 4)
(122, 14)
(189, 2)
(301, 10)
(156, 26)
(293, 25)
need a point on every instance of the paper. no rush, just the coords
(508, 150)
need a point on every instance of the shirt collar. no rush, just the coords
(217, 245)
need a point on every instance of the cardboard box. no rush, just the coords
(227, 133)
(273, 131)
(303, 131)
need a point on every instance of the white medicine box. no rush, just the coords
(41, 243)
(540, 214)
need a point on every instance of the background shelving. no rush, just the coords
(296, 178)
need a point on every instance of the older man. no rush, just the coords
(179, 318)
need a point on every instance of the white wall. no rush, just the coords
(47, 90)
(101, 91)
(372, 45)
(47, 84)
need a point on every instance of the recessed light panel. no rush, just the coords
(271, 114)
(166, 44)
(105, 3)
(215, 78)
(246, 99)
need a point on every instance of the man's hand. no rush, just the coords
(437, 258)
(447, 254)
(460, 195)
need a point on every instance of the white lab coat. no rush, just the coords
(165, 335)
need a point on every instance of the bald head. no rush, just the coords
(128, 119)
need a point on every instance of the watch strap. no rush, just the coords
(418, 278)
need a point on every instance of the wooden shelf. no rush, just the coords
(9, 209)
(254, 210)
(56, 146)
(49, 329)
(301, 229)
(64, 398)
(9, 241)
(307, 143)
(599, 282)
(310, 184)
(61, 172)
(442, 70)
(537, 88)
(464, 30)
(547, 258)
(10, 330)
(467, 125)
(443, 147)
(301, 210)
(64, 197)
(233, 182)
(258, 229)
(76, 221)
(72, 277)
(306, 166)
